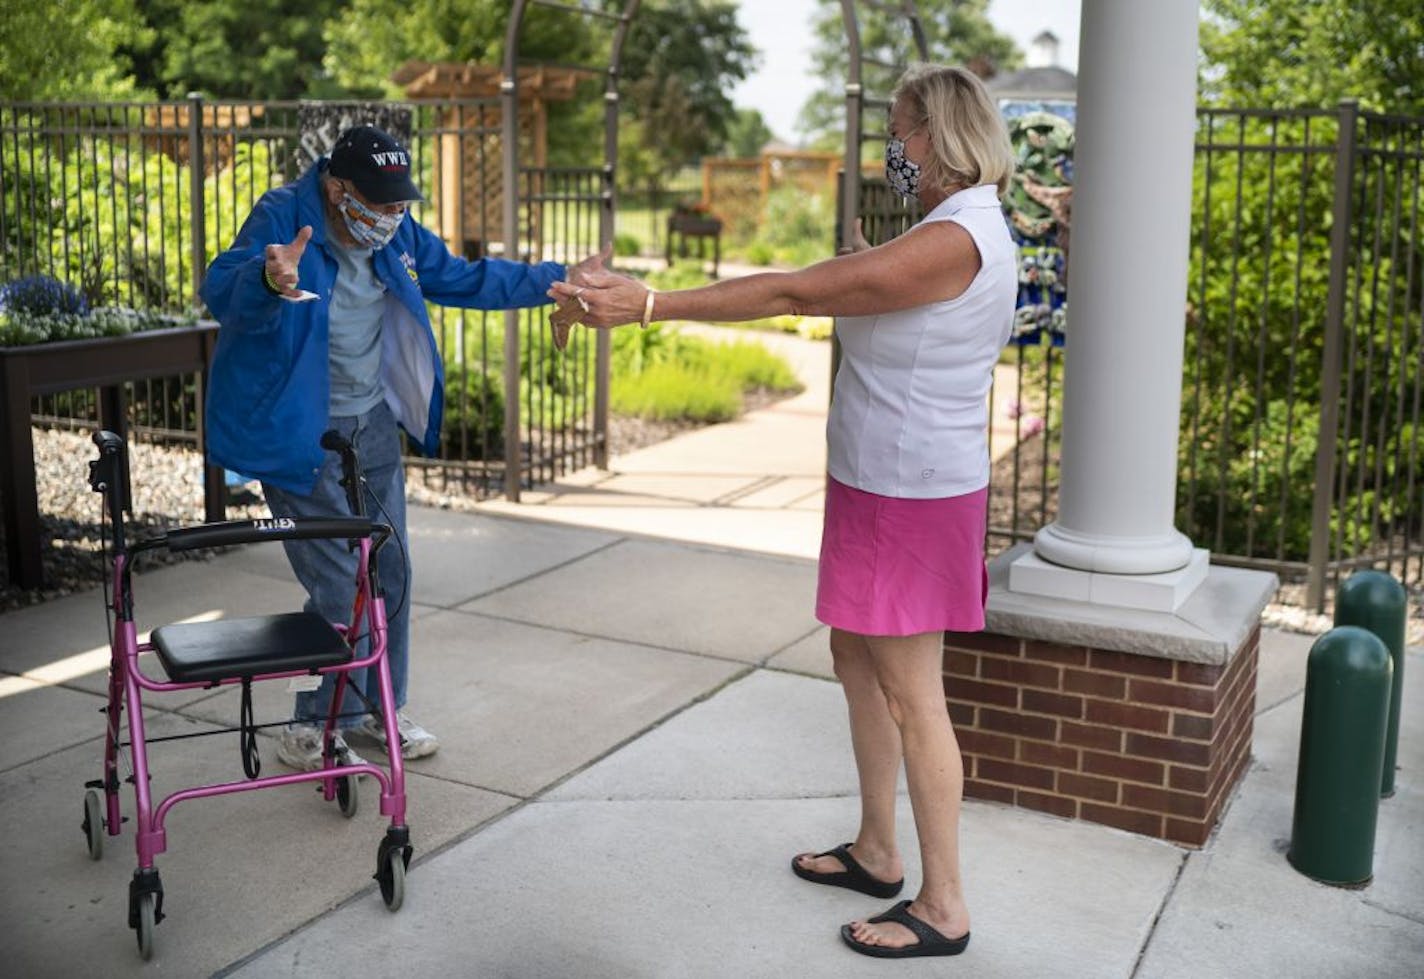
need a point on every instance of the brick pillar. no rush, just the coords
(1140, 742)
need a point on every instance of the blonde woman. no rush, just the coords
(921, 320)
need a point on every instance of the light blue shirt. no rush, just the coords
(358, 304)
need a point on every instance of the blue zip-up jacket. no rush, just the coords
(270, 382)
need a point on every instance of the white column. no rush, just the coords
(1127, 296)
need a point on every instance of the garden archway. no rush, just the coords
(857, 101)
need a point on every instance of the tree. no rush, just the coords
(680, 60)
(372, 38)
(1259, 274)
(1312, 53)
(747, 134)
(67, 50)
(956, 32)
(250, 49)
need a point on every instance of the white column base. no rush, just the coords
(1162, 592)
(1114, 555)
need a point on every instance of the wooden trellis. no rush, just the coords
(467, 183)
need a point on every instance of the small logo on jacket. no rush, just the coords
(409, 264)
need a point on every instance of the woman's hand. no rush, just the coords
(608, 299)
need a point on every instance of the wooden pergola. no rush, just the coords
(467, 178)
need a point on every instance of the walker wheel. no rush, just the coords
(347, 796)
(391, 877)
(93, 824)
(145, 925)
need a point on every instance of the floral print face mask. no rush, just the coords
(902, 173)
(370, 228)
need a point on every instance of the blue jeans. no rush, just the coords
(327, 569)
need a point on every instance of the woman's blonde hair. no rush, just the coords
(969, 142)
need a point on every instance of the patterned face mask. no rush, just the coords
(903, 174)
(370, 228)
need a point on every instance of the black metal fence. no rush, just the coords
(643, 212)
(1300, 445)
(129, 202)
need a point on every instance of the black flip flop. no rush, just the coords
(931, 942)
(854, 876)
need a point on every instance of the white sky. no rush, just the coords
(781, 30)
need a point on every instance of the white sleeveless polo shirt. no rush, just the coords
(910, 414)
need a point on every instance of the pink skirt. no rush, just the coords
(899, 567)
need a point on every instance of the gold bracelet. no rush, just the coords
(648, 308)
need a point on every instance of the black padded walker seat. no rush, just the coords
(198, 651)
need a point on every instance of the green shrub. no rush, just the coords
(786, 323)
(106, 216)
(815, 327)
(688, 275)
(625, 243)
(793, 217)
(663, 374)
(748, 364)
(806, 327)
(634, 351)
(672, 391)
(474, 414)
(1261, 493)
(803, 253)
(760, 253)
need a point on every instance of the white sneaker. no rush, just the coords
(416, 741)
(299, 747)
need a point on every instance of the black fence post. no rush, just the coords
(1330, 357)
(214, 484)
(196, 169)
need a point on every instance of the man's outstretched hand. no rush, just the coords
(597, 262)
(282, 261)
(570, 309)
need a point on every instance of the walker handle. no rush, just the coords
(334, 441)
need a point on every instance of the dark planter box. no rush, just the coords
(690, 224)
(682, 225)
(104, 363)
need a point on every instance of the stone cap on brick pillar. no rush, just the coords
(1209, 627)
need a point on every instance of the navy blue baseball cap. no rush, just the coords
(376, 163)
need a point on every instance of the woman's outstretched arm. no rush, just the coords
(930, 263)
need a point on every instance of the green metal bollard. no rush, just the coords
(1341, 753)
(1375, 601)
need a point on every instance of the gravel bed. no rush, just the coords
(167, 489)
(167, 492)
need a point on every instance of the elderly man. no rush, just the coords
(321, 299)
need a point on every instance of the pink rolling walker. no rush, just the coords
(204, 655)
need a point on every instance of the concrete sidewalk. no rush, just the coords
(757, 482)
(640, 728)
(637, 736)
